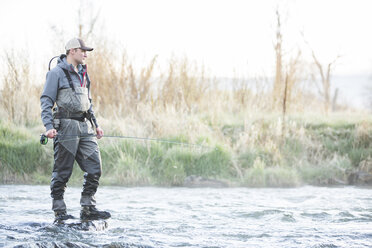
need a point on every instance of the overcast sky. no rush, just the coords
(230, 37)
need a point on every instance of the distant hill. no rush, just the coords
(352, 88)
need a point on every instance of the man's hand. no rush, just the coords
(51, 133)
(99, 132)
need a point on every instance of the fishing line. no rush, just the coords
(44, 139)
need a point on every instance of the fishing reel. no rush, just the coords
(43, 139)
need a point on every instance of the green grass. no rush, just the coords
(131, 163)
(21, 154)
(326, 173)
(311, 152)
(344, 139)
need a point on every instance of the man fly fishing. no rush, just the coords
(68, 87)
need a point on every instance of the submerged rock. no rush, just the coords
(53, 245)
(198, 181)
(80, 245)
(362, 175)
(360, 178)
(95, 225)
(125, 245)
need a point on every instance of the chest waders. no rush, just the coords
(70, 117)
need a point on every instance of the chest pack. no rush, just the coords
(73, 101)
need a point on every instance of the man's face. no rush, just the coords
(79, 55)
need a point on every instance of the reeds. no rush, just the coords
(19, 95)
(187, 104)
(251, 154)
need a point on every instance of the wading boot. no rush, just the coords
(91, 213)
(60, 216)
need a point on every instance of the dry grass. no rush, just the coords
(123, 90)
(185, 103)
(19, 95)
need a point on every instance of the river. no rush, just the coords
(307, 216)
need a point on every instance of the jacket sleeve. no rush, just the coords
(90, 110)
(48, 98)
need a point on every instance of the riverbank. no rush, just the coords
(253, 153)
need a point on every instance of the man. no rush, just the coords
(68, 86)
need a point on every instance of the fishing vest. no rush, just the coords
(74, 99)
(73, 104)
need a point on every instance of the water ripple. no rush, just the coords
(191, 217)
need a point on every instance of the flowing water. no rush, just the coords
(193, 217)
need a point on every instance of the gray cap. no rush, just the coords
(77, 43)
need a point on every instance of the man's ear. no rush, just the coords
(73, 51)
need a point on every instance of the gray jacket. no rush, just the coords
(56, 80)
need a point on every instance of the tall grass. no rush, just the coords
(185, 103)
(19, 95)
(252, 155)
(22, 157)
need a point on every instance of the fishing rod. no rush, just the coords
(44, 139)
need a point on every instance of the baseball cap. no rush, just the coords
(77, 43)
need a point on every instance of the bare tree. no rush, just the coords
(325, 72)
(87, 20)
(292, 77)
(325, 75)
(278, 83)
(284, 109)
(86, 24)
(368, 95)
(334, 100)
(287, 73)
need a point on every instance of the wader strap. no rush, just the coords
(69, 79)
(51, 62)
(91, 123)
(68, 115)
(75, 116)
(78, 118)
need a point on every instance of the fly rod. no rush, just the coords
(44, 139)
